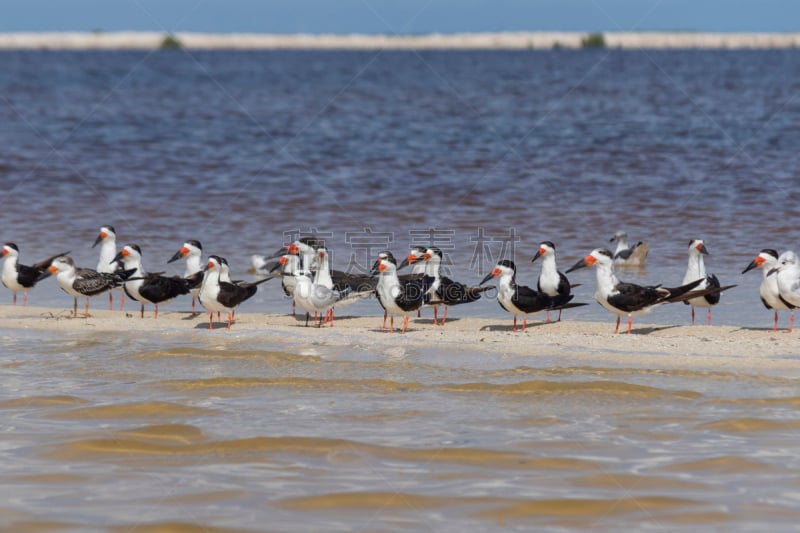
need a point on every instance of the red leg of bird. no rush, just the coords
(405, 324)
(156, 310)
(211, 320)
(87, 308)
(15, 298)
(630, 323)
(193, 305)
(547, 315)
(391, 324)
(218, 319)
(445, 315)
(559, 315)
(230, 318)
(142, 311)
(384, 320)
(616, 329)
(693, 315)
(709, 316)
(75, 308)
(435, 315)
(775, 323)
(791, 321)
(524, 322)
(110, 301)
(419, 312)
(122, 301)
(333, 315)
(293, 308)
(24, 299)
(515, 324)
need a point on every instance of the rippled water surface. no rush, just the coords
(178, 432)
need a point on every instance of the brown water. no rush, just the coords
(164, 434)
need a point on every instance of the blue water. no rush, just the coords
(238, 149)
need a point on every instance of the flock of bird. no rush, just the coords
(306, 276)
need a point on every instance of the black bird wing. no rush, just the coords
(631, 297)
(623, 254)
(712, 283)
(356, 283)
(91, 283)
(27, 276)
(530, 300)
(453, 293)
(232, 294)
(157, 288)
(44, 263)
(414, 293)
(195, 280)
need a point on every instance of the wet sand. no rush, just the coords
(567, 342)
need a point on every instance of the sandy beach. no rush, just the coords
(723, 348)
(454, 41)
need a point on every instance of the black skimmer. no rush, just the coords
(552, 281)
(519, 299)
(17, 277)
(144, 287)
(192, 252)
(216, 294)
(697, 270)
(635, 256)
(84, 282)
(788, 273)
(444, 291)
(766, 260)
(399, 297)
(107, 239)
(629, 299)
(416, 258)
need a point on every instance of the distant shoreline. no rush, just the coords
(457, 41)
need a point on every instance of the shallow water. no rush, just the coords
(168, 433)
(182, 432)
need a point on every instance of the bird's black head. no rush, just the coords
(508, 263)
(12, 246)
(195, 243)
(770, 251)
(549, 243)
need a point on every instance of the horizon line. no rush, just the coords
(511, 40)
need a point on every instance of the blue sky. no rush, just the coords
(399, 16)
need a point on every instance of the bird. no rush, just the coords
(629, 299)
(766, 260)
(289, 264)
(788, 277)
(192, 251)
(552, 281)
(84, 282)
(520, 299)
(147, 287)
(107, 239)
(399, 297)
(697, 270)
(358, 286)
(418, 266)
(444, 291)
(216, 294)
(315, 298)
(635, 256)
(17, 277)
